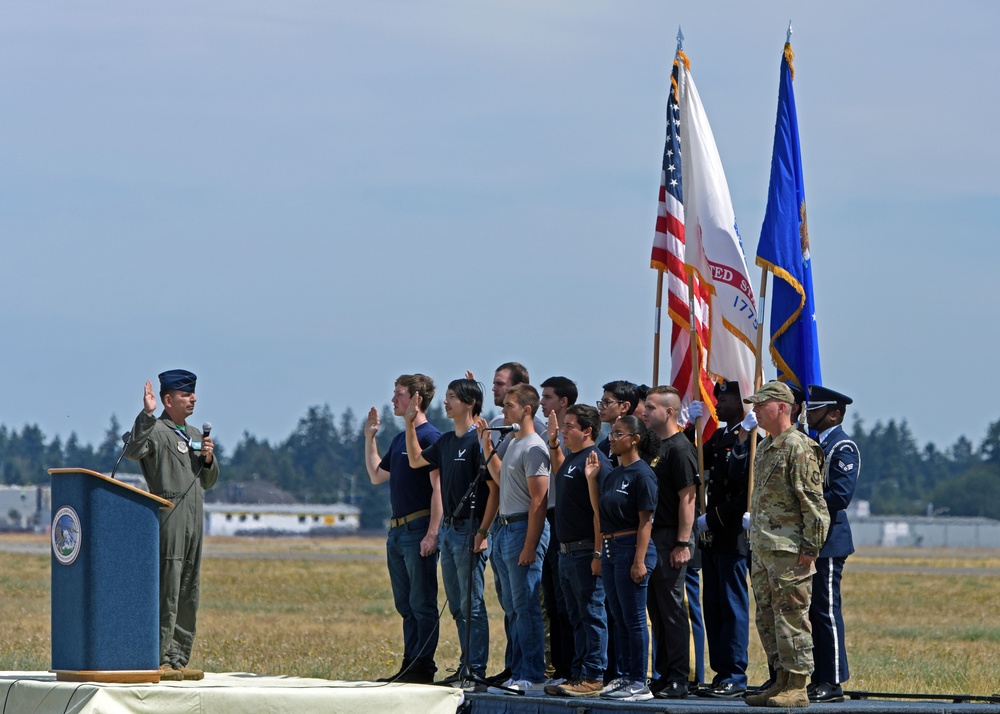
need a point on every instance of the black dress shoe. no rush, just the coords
(760, 688)
(823, 692)
(725, 690)
(672, 690)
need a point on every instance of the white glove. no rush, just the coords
(749, 422)
(701, 525)
(746, 521)
(696, 410)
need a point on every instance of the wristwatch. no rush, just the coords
(597, 555)
(682, 544)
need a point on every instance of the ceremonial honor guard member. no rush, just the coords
(178, 464)
(724, 548)
(843, 464)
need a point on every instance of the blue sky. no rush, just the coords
(301, 201)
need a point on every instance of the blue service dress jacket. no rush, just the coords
(840, 479)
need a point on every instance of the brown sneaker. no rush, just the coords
(169, 674)
(583, 688)
(191, 674)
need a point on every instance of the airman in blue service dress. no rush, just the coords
(843, 465)
(178, 464)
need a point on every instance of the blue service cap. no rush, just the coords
(179, 379)
(824, 397)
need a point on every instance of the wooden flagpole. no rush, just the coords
(696, 390)
(656, 328)
(757, 375)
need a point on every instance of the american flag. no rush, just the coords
(668, 256)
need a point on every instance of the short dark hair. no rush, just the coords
(418, 384)
(518, 372)
(526, 396)
(588, 418)
(468, 391)
(624, 391)
(563, 387)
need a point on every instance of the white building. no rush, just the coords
(227, 519)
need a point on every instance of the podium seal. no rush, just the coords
(66, 535)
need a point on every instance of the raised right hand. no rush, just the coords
(593, 465)
(372, 423)
(149, 399)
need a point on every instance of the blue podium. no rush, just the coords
(105, 579)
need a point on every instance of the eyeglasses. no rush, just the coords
(608, 402)
(620, 434)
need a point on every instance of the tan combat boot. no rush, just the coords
(760, 700)
(793, 695)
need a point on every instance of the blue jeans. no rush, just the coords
(584, 596)
(521, 598)
(727, 614)
(414, 590)
(455, 542)
(628, 602)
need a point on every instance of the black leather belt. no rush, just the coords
(453, 522)
(576, 545)
(506, 520)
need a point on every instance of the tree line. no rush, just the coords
(322, 461)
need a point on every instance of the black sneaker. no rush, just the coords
(499, 678)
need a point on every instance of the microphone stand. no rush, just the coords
(465, 672)
(126, 438)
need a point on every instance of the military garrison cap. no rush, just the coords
(824, 397)
(772, 390)
(727, 388)
(179, 379)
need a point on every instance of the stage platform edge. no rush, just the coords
(504, 704)
(41, 693)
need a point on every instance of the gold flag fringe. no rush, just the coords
(789, 56)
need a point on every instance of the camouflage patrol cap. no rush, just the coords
(772, 390)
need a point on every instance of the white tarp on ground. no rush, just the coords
(40, 693)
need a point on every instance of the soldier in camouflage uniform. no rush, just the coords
(788, 525)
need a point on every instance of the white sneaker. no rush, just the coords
(530, 689)
(616, 683)
(509, 684)
(630, 692)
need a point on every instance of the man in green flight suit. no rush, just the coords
(178, 464)
(789, 520)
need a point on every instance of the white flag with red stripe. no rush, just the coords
(713, 252)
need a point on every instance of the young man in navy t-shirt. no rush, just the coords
(411, 547)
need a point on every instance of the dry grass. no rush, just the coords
(323, 608)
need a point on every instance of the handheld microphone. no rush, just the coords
(505, 429)
(206, 429)
(126, 438)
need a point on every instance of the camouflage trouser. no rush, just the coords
(783, 591)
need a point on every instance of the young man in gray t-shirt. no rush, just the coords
(522, 536)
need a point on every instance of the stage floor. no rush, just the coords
(40, 693)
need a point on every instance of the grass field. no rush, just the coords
(917, 620)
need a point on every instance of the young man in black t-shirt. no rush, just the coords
(458, 457)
